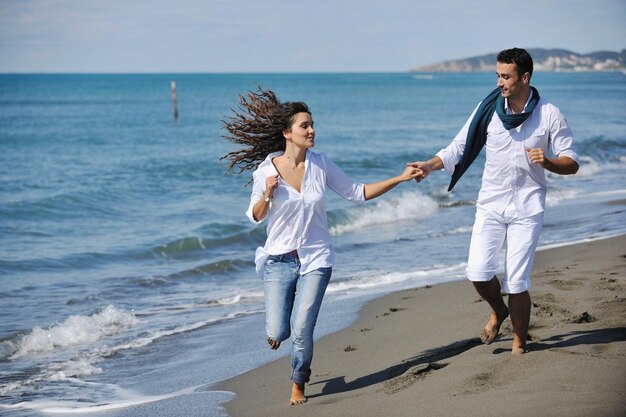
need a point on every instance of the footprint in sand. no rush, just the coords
(610, 284)
(416, 373)
(566, 285)
(549, 310)
(392, 310)
(583, 318)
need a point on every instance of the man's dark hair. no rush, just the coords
(519, 57)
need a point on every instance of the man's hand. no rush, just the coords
(563, 165)
(536, 156)
(425, 168)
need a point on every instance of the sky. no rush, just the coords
(219, 36)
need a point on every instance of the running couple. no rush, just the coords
(514, 123)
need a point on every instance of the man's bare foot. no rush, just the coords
(297, 394)
(516, 350)
(491, 330)
(274, 344)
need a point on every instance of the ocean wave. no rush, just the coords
(432, 275)
(455, 231)
(409, 205)
(226, 298)
(188, 245)
(449, 204)
(86, 363)
(119, 398)
(213, 268)
(150, 338)
(588, 167)
(74, 331)
(250, 297)
(82, 203)
(554, 197)
(75, 368)
(602, 148)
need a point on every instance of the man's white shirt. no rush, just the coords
(509, 176)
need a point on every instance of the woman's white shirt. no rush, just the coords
(297, 220)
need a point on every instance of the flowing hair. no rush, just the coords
(258, 126)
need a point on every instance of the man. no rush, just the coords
(516, 126)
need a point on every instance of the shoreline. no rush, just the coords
(416, 351)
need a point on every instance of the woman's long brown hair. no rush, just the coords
(258, 125)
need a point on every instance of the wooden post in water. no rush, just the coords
(173, 84)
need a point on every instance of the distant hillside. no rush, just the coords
(543, 59)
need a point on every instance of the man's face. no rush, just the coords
(509, 82)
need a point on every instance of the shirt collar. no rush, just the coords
(268, 158)
(508, 110)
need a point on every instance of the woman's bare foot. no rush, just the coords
(274, 344)
(297, 394)
(491, 330)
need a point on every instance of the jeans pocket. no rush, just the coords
(271, 260)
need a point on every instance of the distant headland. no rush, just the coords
(544, 60)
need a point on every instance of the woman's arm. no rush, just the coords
(259, 210)
(377, 189)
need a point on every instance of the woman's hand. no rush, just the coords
(376, 189)
(410, 173)
(271, 183)
(259, 211)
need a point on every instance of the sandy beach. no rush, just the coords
(417, 352)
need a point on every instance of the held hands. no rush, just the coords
(410, 173)
(424, 169)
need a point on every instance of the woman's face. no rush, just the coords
(302, 133)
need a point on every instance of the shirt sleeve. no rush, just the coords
(451, 155)
(258, 188)
(562, 138)
(342, 184)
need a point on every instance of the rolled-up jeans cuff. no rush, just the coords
(300, 377)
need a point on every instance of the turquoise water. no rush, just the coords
(126, 261)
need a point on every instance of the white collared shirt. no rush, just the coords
(509, 176)
(297, 220)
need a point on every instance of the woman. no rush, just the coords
(289, 186)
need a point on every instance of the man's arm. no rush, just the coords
(563, 165)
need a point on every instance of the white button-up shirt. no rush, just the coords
(297, 220)
(509, 176)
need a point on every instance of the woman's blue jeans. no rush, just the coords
(292, 304)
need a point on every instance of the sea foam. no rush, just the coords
(409, 205)
(588, 167)
(74, 331)
(400, 279)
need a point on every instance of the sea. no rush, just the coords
(127, 281)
